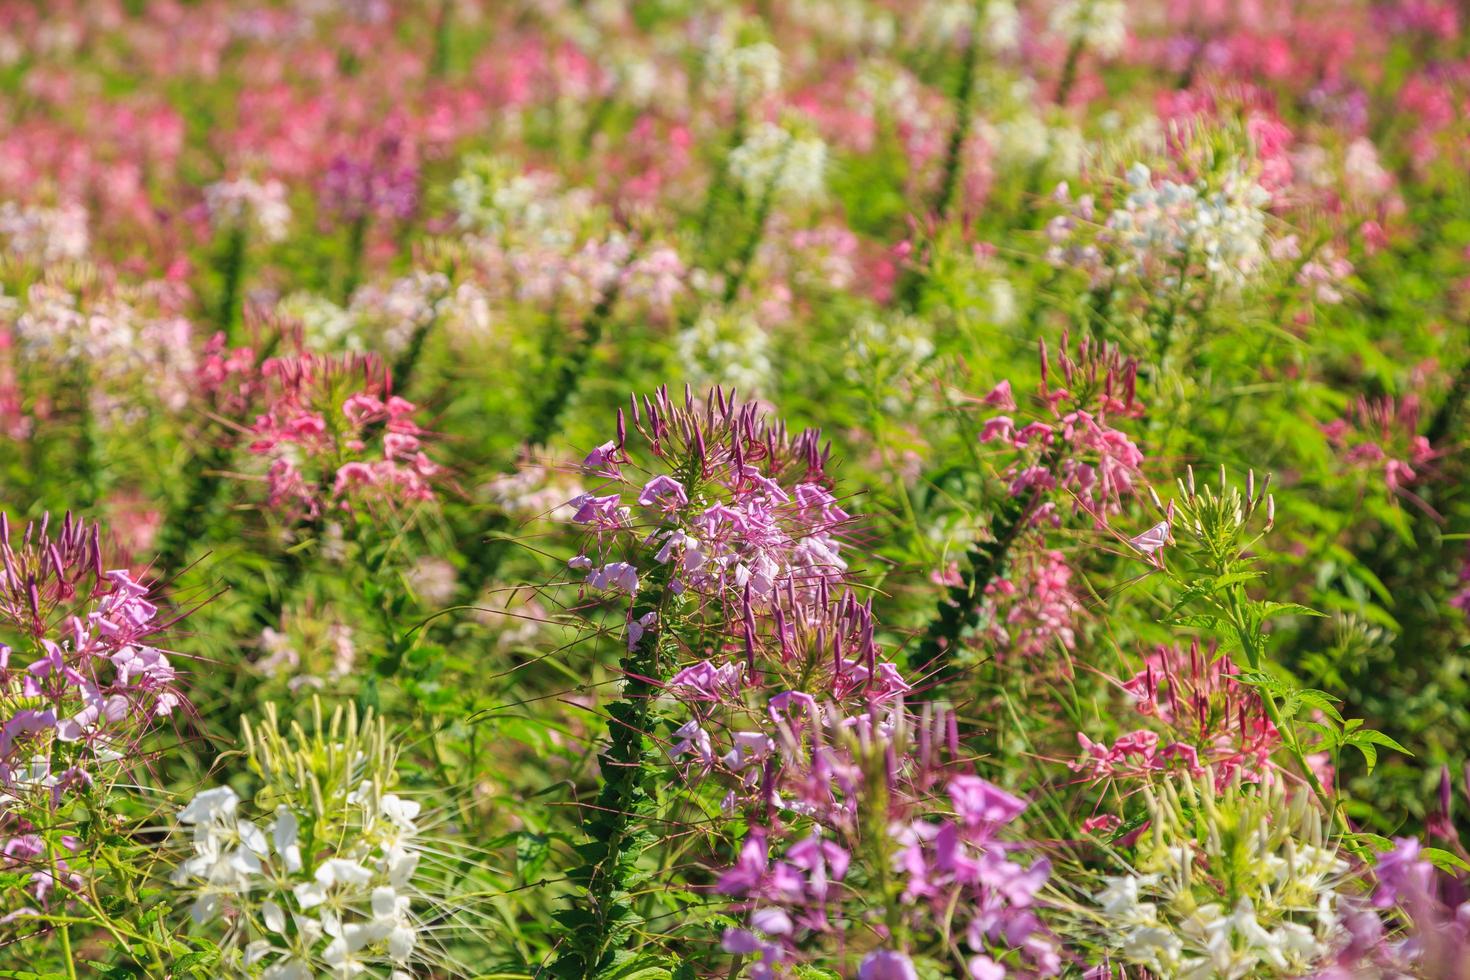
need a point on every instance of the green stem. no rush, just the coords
(757, 230)
(1069, 72)
(1252, 646)
(959, 611)
(602, 918)
(63, 927)
(356, 244)
(548, 413)
(232, 275)
(911, 288)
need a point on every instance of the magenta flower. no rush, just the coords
(980, 802)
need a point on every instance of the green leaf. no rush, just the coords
(1370, 754)
(1444, 860)
(642, 968)
(1270, 609)
(1368, 736)
(532, 850)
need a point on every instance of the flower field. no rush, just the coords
(651, 490)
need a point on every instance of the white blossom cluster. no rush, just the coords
(882, 351)
(1164, 226)
(494, 197)
(1026, 140)
(729, 350)
(999, 22)
(43, 234)
(1099, 25)
(394, 313)
(117, 341)
(749, 72)
(244, 204)
(299, 902)
(775, 161)
(1256, 893)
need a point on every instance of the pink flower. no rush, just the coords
(1000, 397)
(980, 802)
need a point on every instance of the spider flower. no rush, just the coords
(335, 435)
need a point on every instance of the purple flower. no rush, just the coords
(745, 876)
(597, 511)
(985, 968)
(980, 802)
(884, 964)
(663, 491)
(614, 575)
(706, 682)
(1402, 873)
(602, 461)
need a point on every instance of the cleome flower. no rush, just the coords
(1240, 880)
(732, 507)
(321, 874)
(336, 436)
(82, 684)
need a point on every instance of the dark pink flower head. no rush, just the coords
(1203, 718)
(1074, 448)
(336, 437)
(1382, 434)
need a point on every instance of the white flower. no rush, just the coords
(774, 161)
(242, 203)
(391, 922)
(728, 350)
(283, 833)
(210, 806)
(1098, 24)
(45, 234)
(337, 873)
(347, 941)
(749, 72)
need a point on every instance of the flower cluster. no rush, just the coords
(87, 691)
(1164, 226)
(1209, 721)
(44, 235)
(1383, 434)
(82, 682)
(241, 204)
(1101, 25)
(776, 162)
(1077, 450)
(734, 506)
(383, 183)
(336, 435)
(326, 878)
(855, 797)
(1255, 888)
(114, 337)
